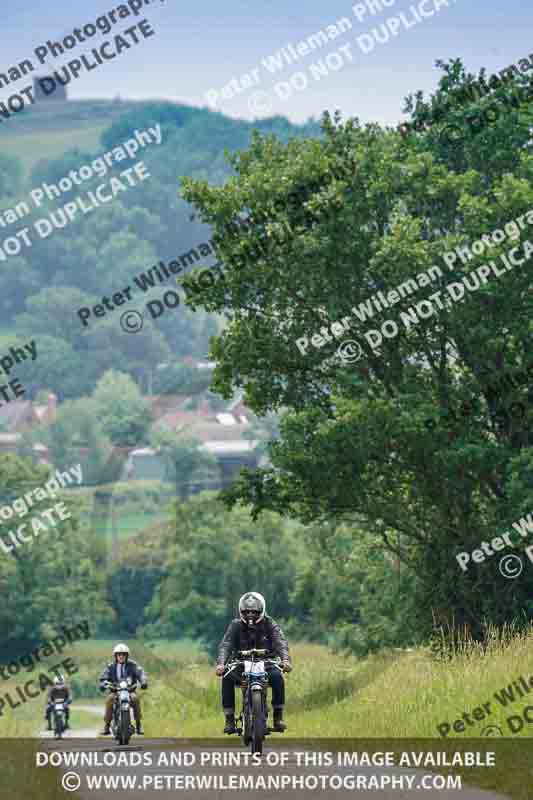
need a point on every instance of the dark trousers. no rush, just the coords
(234, 678)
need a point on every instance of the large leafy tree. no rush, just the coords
(331, 222)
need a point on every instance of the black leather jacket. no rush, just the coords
(267, 635)
(57, 693)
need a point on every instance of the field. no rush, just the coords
(32, 147)
(127, 524)
(49, 130)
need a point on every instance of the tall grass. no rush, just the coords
(400, 694)
(397, 694)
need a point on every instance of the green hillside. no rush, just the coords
(47, 130)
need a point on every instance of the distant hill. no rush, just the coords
(47, 130)
(101, 251)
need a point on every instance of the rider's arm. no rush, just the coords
(105, 676)
(141, 677)
(280, 643)
(226, 645)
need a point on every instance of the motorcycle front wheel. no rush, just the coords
(246, 719)
(124, 730)
(58, 727)
(258, 723)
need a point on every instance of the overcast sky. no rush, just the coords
(201, 46)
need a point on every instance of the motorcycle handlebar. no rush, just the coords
(253, 651)
(114, 687)
(232, 664)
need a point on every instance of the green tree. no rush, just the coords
(120, 407)
(57, 367)
(48, 582)
(332, 222)
(185, 462)
(76, 434)
(134, 578)
(52, 312)
(19, 281)
(213, 557)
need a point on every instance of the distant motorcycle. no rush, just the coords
(253, 719)
(59, 719)
(121, 724)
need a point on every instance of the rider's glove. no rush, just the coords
(220, 670)
(144, 686)
(286, 666)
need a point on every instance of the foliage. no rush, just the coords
(184, 461)
(330, 223)
(101, 252)
(132, 580)
(121, 409)
(76, 435)
(49, 581)
(180, 379)
(350, 593)
(213, 557)
(10, 176)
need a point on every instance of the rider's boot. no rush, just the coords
(106, 731)
(139, 729)
(230, 720)
(279, 725)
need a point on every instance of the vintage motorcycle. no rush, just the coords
(59, 718)
(253, 719)
(121, 724)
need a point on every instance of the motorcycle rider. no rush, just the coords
(59, 691)
(253, 629)
(122, 669)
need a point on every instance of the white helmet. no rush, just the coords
(252, 602)
(121, 648)
(59, 680)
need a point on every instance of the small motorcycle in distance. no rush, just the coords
(121, 725)
(252, 721)
(59, 719)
